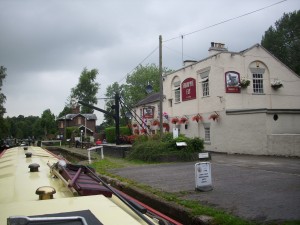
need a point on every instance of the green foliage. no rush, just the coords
(136, 82)
(283, 40)
(150, 149)
(86, 89)
(2, 96)
(48, 123)
(23, 127)
(111, 91)
(66, 110)
(72, 132)
(111, 133)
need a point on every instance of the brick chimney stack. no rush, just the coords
(216, 48)
(76, 109)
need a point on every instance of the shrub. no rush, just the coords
(111, 133)
(148, 151)
(152, 150)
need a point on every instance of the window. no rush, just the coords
(141, 112)
(257, 77)
(176, 89)
(177, 94)
(205, 87)
(258, 83)
(79, 120)
(207, 134)
(204, 73)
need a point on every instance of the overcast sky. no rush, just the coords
(46, 44)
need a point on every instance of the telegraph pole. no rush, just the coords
(117, 117)
(160, 88)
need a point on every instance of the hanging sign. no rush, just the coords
(148, 112)
(232, 81)
(188, 89)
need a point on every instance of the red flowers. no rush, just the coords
(174, 120)
(214, 117)
(155, 123)
(197, 118)
(183, 120)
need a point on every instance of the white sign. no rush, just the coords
(204, 155)
(175, 132)
(203, 176)
(181, 144)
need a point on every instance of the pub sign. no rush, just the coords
(188, 89)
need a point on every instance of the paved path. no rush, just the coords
(257, 188)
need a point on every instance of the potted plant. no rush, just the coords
(136, 131)
(276, 84)
(183, 120)
(244, 83)
(197, 118)
(214, 116)
(175, 120)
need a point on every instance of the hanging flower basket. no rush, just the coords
(166, 126)
(165, 115)
(134, 125)
(183, 120)
(155, 123)
(214, 117)
(197, 118)
(175, 120)
(276, 84)
(244, 83)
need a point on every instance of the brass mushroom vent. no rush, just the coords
(45, 192)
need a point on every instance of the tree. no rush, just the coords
(86, 89)
(66, 110)
(48, 122)
(111, 91)
(136, 83)
(2, 96)
(283, 40)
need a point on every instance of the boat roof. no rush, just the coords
(18, 191)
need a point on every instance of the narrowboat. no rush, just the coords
(39, 187)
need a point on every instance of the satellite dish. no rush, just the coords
(149, 89)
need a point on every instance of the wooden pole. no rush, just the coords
(160, 88)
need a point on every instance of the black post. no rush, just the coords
(117, 117)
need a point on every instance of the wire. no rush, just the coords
(179, 52)
(224, 21)
(151, 53)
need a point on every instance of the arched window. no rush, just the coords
(176, 89)
(257, 71)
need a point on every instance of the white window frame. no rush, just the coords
(176, 89)
(177, 95)
(204, 80)
(205, 87)
(258, 83)
(207, 134)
